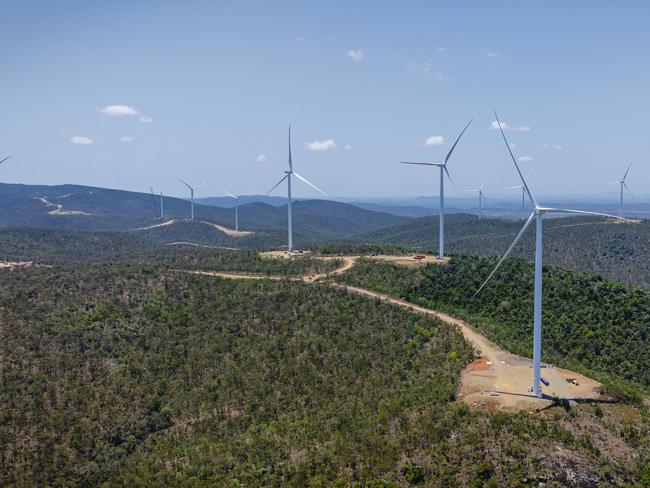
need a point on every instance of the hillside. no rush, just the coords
(592, 325)
(137, 376)
(99, 209)
(594, 245)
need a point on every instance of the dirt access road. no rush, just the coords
(497, 379)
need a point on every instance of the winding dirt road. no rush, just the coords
(496, 379)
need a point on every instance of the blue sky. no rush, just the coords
(368, 82)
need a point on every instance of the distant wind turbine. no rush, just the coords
(523, 190)
(623, 185)
(288, 178)
(538, 216)
(192, 196)
(443, 170)
(481, 195)
(236, 208)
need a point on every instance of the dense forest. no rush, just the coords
(593, 245)
(591, 324)
(135, 376)
(51, 246)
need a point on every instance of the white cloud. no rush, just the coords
(355, 54)
(434, 141)
(555, 147)
(348, 147)
(146, 120)
(523, 159)
(118, 110)
(300, 38)
(81, 140)
(324, 145)
(261, 158)
(493, 55)
(512, 145)
(126, 139)
(441, 49)
(425, 71)
(505, 126)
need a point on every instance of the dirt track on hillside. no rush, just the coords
(496, 379)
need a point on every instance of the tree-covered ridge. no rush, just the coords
(593, 245)
(58, 247)
(591, 324)
(102, 364)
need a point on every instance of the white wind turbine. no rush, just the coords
(481, 195)
(443, 170)
(192, 196)
(287, 177)
(236, 208)
(538, 216)
(623, 185)
(523, 190)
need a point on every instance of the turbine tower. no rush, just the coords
(192, 196)
(481, 195)
(162, 208)
(236, 208)
(623, 185)
(538, 216)
(287, 177)
(443, 170)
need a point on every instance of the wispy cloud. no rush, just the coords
(426, 72)
(434, 141)
(126, 139)
(145, 120)
(261, 158)
(506, 126)
(356, 54)
(441, 49)
(554, 147)
(523, 159)
(81, 140)
(300, 38)
(119, 111)
(348, 147)
(324, 145)
(493, 55)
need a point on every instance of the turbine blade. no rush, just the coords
(290, 161)
(421, 164)
(4, 159)
(457, 139)
(277, 184)
(485, 180)
(185, 184)
(521, 233)
(583, 212)
(530, 195)
(513, 187)
(611, 182)
(309, 183)
(474, 189)
(628, 170)
(200, 185)
(229, 194)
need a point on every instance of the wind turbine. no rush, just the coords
(538, 216)
(623, 185)
(236, 207)
(443, 170)
(192, 196)
(287, 177)
(523, 190)
(481, 195)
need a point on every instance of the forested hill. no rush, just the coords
(593, 325)
(617, 250)
(93, 209)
